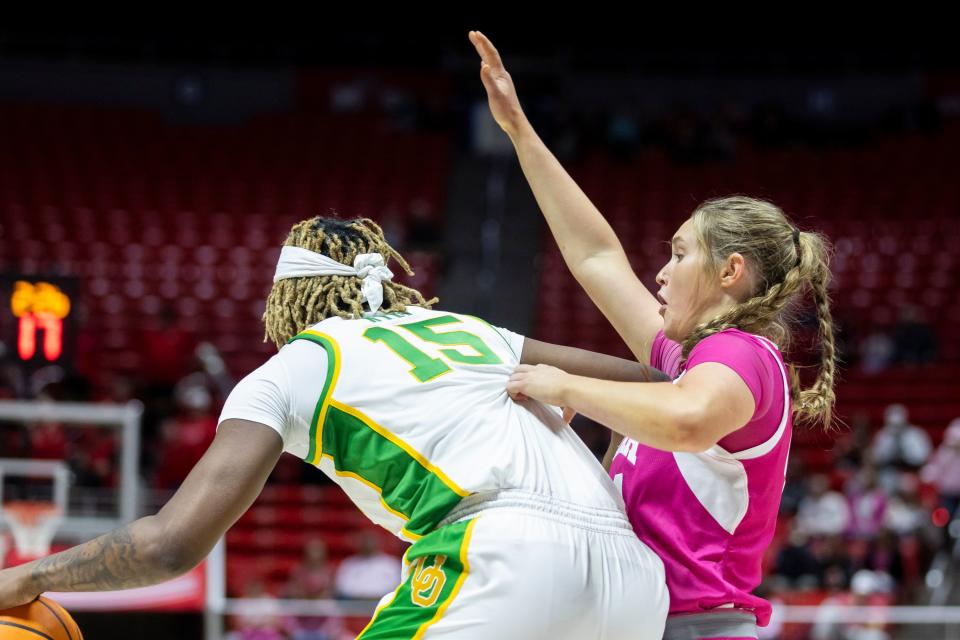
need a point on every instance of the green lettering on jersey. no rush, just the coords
(423, 330)
(426, 368)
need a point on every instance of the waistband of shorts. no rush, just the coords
(570, 513)
(723, 623)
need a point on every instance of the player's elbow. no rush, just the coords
(170, 551)
(690, 433)
(175, 558)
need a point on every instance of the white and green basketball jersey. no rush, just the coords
(409, 414)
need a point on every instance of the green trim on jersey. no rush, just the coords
(333, 362)
(409, 485)
(438, 567)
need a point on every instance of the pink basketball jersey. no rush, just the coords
(710, 516)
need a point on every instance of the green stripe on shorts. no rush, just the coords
(438, 568)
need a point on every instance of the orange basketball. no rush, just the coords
(42, 619)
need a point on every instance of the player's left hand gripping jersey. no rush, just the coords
(408, 413)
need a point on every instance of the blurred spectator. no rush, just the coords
(795, 564)
(913, 339)
(866, 588)
(167, 350)
(215, 369)
(119, 389)
(401, 108)
(92, 458)
(317, 628)
(48, 441)
(898, 446)
(846, 339)
(906, 516)
(866, 583)
(770, 590)
(833, 559)
(876, 352)
(868, 504)
(187, 436)
(313, 578)
(943, 469)
(369, 574)
(261, 619)
(88, 348)
(823, 512)
(13, 441)
(884, 558)
(86, 472)
(350, 96)
(795, 487)
(852, 447)
(917, 538)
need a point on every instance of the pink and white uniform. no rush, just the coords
(710, 516)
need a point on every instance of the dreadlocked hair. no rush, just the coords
(785, 263)
(297, 303)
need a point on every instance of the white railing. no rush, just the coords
(125, 418)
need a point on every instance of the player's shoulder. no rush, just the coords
(733, 346)
(736, 340)
(306, 351)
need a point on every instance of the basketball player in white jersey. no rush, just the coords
(517, 531)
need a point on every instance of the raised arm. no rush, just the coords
(589, 245)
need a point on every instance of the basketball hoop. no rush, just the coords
(33, 525)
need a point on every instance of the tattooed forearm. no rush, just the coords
(128, 557)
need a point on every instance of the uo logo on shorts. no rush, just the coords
(428, 581)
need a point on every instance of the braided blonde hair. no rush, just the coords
(785, 262)
(297, 303)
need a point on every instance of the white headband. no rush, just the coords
(296, 262)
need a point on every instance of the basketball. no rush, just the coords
(42, 618)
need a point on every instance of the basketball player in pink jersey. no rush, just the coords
(700, 461)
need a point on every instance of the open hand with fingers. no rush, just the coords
(501, 94)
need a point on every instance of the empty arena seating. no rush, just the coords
(151, 215)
